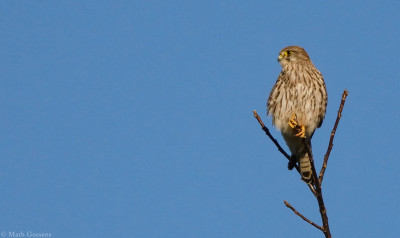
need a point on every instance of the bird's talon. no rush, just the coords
(302, 132)
(292, 124)
(293, 121)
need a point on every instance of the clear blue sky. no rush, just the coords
(134, 118)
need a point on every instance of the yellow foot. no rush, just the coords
(295, 125)
(293, 121)
(302, 132)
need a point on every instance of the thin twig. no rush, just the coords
(328, 152)
(269, 135)
(302, 216)
(312, 189)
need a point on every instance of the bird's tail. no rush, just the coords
(305, 168)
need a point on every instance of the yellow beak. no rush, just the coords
(282, 55)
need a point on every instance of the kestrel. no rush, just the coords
(297, 104)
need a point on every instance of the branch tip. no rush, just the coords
(330, 145)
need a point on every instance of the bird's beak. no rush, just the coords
(280, 57)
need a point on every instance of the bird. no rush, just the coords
(297, 104)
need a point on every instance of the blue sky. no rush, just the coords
(134, 118)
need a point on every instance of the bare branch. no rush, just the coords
(315, 188)
(311, 187)
(264, 128)
(302, 216)
(328, 152)
(318, 194)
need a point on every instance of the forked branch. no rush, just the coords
(316, 187)
(318, 195)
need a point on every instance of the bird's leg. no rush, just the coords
(295, 125)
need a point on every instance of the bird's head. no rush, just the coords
(293, 54)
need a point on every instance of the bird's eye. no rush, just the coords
(288, 52)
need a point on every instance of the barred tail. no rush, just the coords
(305, 168)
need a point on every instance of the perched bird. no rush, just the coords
(297, 104)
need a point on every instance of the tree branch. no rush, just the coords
(318, 194)
(315, 188)
(302, 216)
(270, 136)
(328, 152)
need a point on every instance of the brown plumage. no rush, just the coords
(299, 94)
